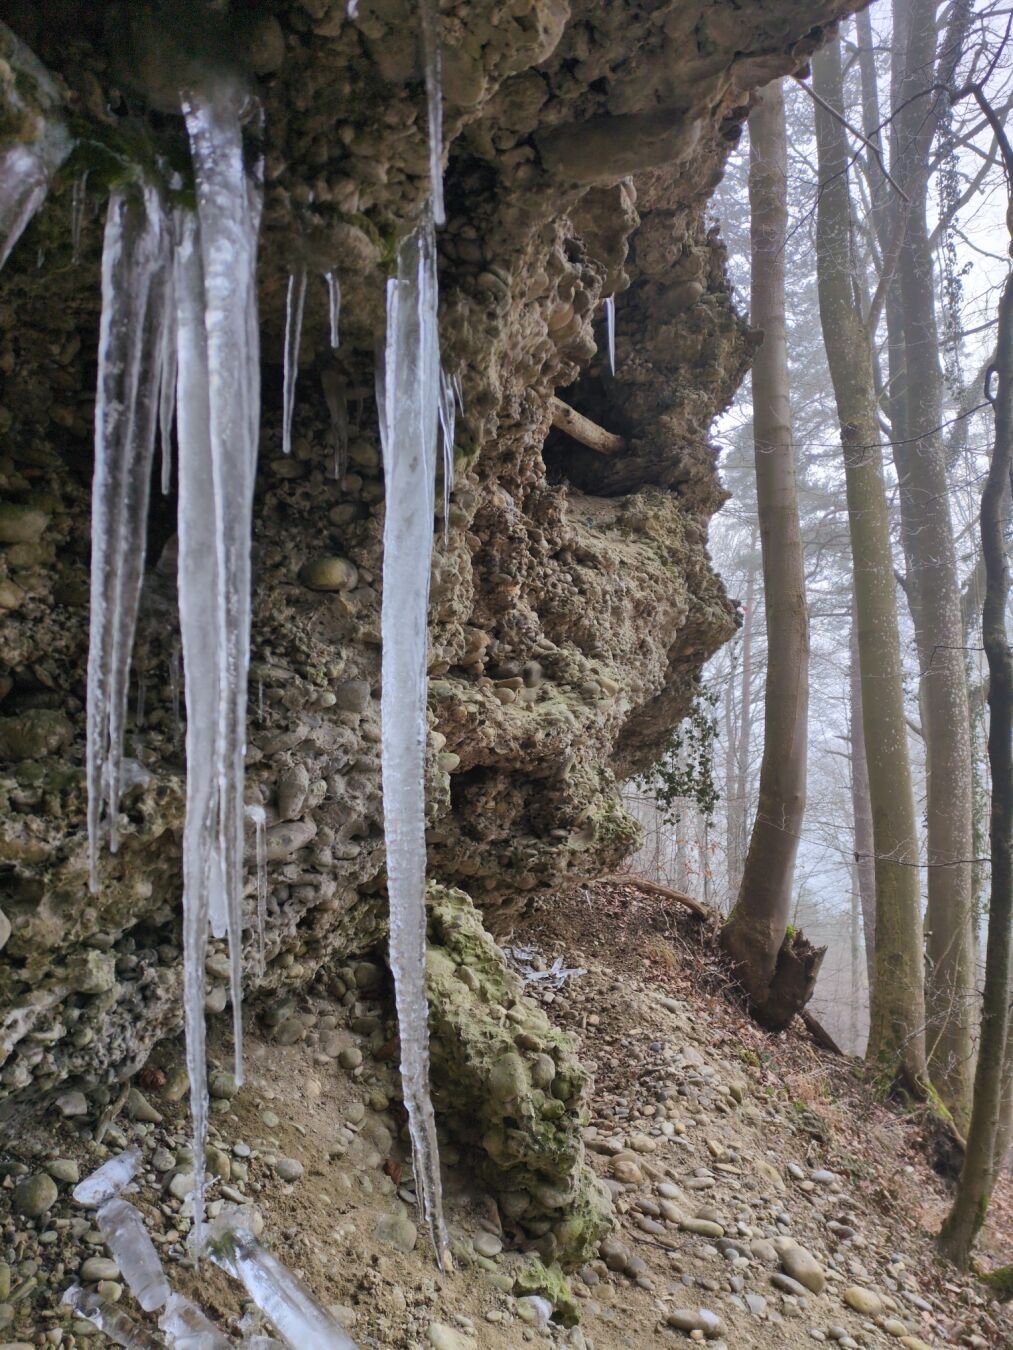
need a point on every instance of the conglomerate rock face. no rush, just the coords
(573, 602)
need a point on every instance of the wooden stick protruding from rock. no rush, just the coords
(582, 429)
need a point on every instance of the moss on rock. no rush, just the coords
(509, 1086)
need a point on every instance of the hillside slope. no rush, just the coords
(721, 1146)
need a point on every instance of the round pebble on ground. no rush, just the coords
(34, 1195)
(99, 1268)
(864, 1301)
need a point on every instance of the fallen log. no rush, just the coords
(582, 429)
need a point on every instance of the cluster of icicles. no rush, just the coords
(278, 1294)
(179, 342)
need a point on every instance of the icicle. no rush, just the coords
(337, 406)
(334, 305)
(353, 9)
(110, 1320)
(610, 324)
(411, 388)
(134, 266)
(29, 100)
(294, 303)
(430, 17)
(280, 1295)
(167, 393)
(78, 202)
(106, 1182)
(23, 185)
(122, 1226)
(260, 700)
(258, 816)
(448, 421)
(198, 588)
(186, 1327)
(217, 418)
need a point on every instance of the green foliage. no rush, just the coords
(684, 770)
(1000, 1282)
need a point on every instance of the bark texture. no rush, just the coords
(974, 1188)
(755, 932)
(932, 587)
(897, 1037)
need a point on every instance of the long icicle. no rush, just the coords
(411, 394)
(198, 587)
(295, 301)
(167, 394)
(134, 269)
(228, 208)
(430, 21)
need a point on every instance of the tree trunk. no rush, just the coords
(861, 808)
(897, 1038)
(755, 932)
(976, 1178)
(934, 597)
(1004, 1134)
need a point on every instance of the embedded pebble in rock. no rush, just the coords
(487, 1244)
(350, 1057)
(702, 1227)
(893, 1326)
(34, 1195)
(864, 1301)
(329, 574)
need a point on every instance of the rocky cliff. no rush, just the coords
(573, 602)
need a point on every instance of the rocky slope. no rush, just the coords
(763, 1197)
(573, 602)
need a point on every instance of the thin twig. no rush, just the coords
(870, 145)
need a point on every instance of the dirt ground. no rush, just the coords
(697, 1117)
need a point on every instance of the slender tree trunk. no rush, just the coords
(1004, 1134)
(856, 963)
(756, 929)
(976, 1179)
(732, 804)
(897, 1038)
(934, 596)
(861, 808)
(745, 709)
